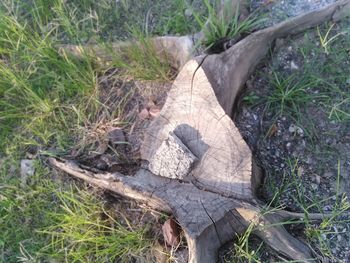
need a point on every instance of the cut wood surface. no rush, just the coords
(193, 113)
(213, 197)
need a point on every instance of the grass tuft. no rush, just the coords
(86, 232)
(216, 27)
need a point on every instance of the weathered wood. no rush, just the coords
(193, 113)
(176, 50)
(215, 201)
(208, 219)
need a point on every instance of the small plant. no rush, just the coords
(326, 40)
(216, 27)
(243, 251)
(289, 94)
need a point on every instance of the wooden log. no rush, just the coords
(208, 219)
(175, 50)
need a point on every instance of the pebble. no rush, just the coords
(314, 186)
(317, 179)
(293, 65)
(300, 131)
(27, 170)
(292, 128)
(116, 135)
(144, 114)
(327, 208)
(188, 12)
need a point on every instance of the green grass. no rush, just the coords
(38, 85)
(217, 27)
(85, 232)
(329, 60)
(58, 221)
(48, 101)
(290, 93)
(142, 60)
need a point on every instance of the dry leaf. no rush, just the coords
(171, 233)
(144, 114)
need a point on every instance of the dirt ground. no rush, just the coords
(305, 154)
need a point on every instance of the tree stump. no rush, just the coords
(199, 167)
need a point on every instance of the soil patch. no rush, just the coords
(112, 143)
(294, 115)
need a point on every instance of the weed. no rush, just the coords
(289, 94)
(175, 20)
(243, 251)
(325, 40)
(216, 27)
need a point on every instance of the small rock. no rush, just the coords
(314, 186)
(300, 131)
(172, 159)
(290, 48)
(317, 179)
(327, 174)
(288, 144)
(27, 170)
(188, 12)
(300, 171)
(171, 232)
(327, 208)
(293, 65)
(292, 128)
